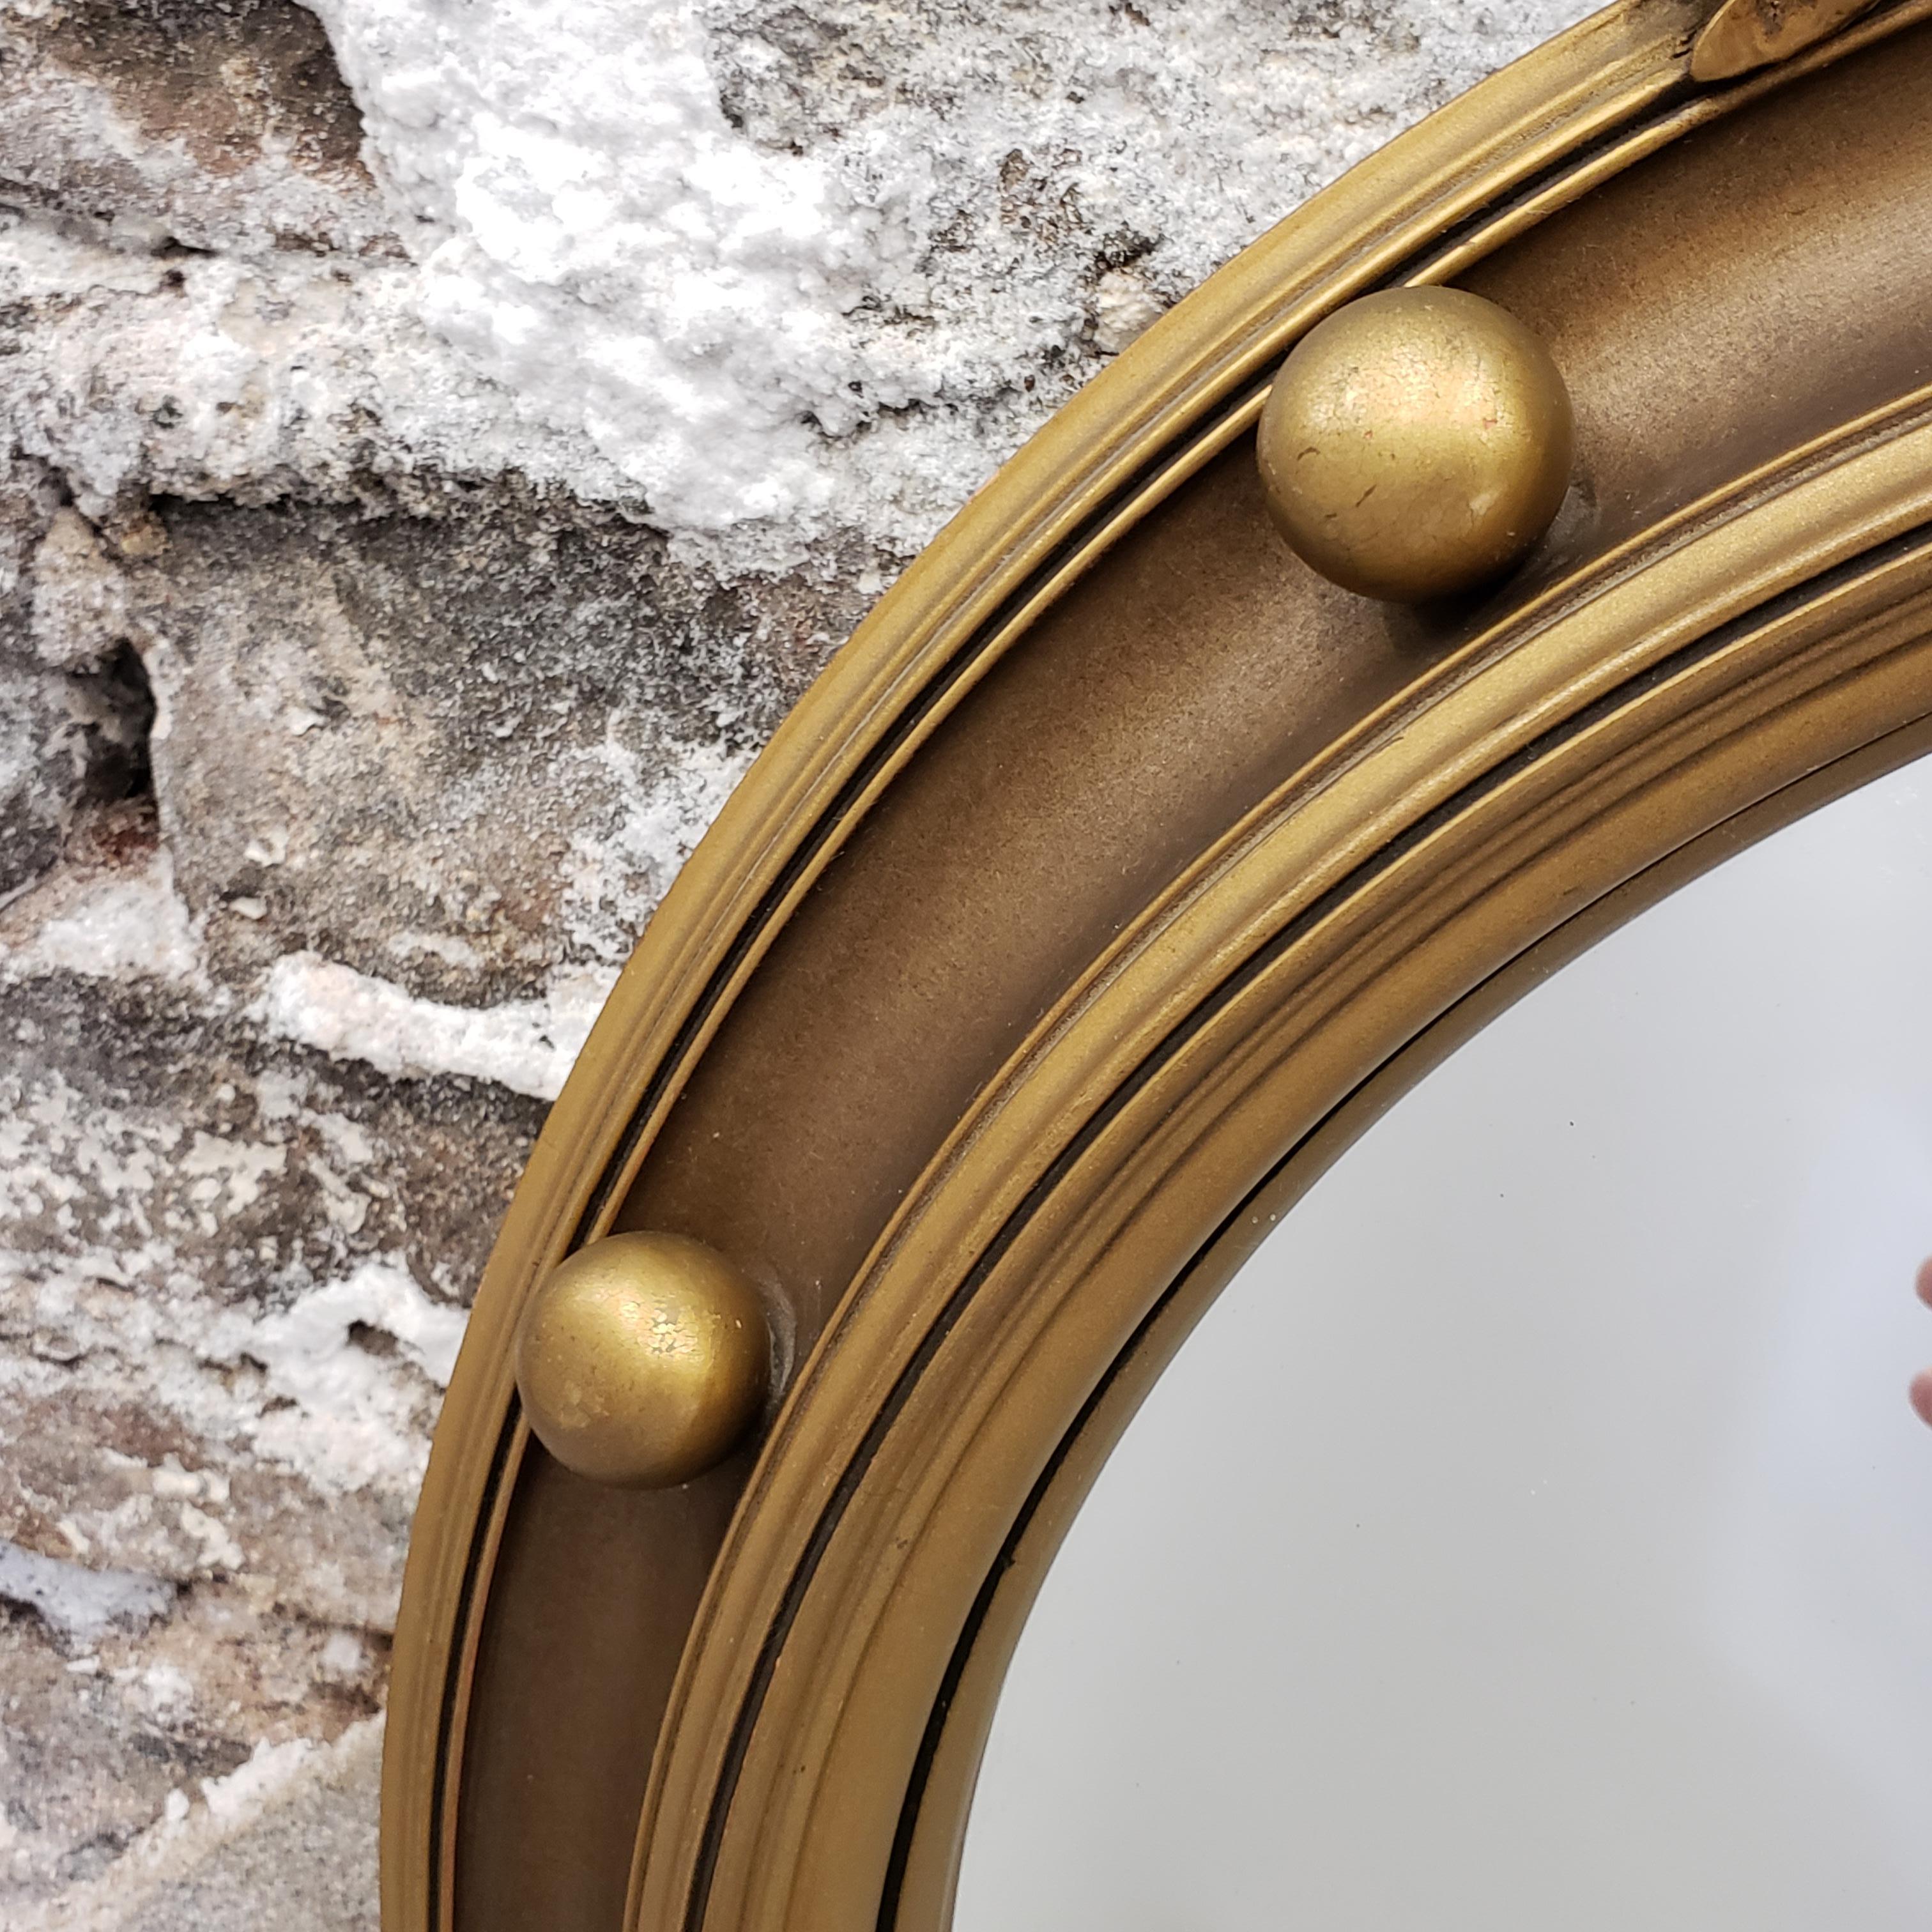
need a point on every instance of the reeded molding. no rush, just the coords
(1114, 874)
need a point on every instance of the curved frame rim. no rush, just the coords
(1523, 145)
(927, 1849)
(885, 1442)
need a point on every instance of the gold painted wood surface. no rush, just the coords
(1745, 34)
(1115, 870)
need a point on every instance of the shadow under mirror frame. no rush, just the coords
(1116, 874)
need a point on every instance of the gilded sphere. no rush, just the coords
(1416, 444)
(642, 1360)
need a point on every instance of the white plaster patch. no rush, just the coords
(165, 1688)
(270, 1769)
(228, 1173)
(79, 1604)
(219, 1553)
(616, 875)
(352, 1422)
(127, 923)
(527, 1046)
(1124, 306)
(838, 305)
(214, 376)
(345, 1657)
(737, 313)
(309, 1396)
(187, 1832)
(577, 158)
(123, 1309)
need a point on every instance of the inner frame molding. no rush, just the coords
(1113, 875)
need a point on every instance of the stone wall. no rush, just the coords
(437, 442)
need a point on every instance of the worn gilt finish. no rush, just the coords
(1115, 874)
(643, 1360)
(1416, 445)
(1744, 34)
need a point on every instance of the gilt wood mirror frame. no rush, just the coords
(1116, 873)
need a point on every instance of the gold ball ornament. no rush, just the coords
(643, 1360)
(1416, 444)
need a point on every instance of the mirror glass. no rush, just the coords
(1536, 1534)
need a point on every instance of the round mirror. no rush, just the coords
(1537, 1533)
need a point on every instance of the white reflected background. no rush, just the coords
(1536, 1534)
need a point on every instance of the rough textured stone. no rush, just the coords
(304, 1862)
(437, 444)
(74, 719)
(231, 1273)
(215, 125)
(445, 749)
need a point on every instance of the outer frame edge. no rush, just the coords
(1606, 72)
